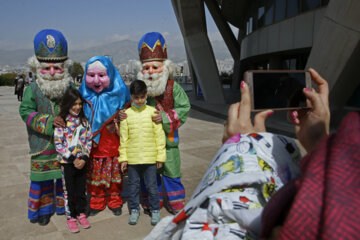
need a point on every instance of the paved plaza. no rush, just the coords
(200, 137)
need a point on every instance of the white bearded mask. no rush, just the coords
(157, 85)
(54, 86)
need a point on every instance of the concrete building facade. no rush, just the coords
(277, 34)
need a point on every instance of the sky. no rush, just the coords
(87, 23)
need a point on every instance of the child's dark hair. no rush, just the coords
(68, 100)
(138, 87)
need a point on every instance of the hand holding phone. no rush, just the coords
(239, 117)
(313, 124)
(277, 89)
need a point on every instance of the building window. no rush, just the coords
(280, 7)
(309, 4)
(263, 13)
(289, 64)
(269, 15)
(292, 8)
(261, 17)
(262, 66)
(249, 26)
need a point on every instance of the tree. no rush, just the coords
(76, 70)
(7, 79)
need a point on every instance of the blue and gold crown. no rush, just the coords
(50, 46)
(152, 47)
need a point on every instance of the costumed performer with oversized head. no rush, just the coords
(39, 110)
(173, 107)
(105, 93)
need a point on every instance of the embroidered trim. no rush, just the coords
(177, 120)
(38, 153)
(48, 152)
(31, 116)
(157, 43)
(171, 122)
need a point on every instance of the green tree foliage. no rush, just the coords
(7, 79)
(76, 69)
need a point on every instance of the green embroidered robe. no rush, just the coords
(175, 106)
(38, 112)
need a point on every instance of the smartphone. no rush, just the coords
(277, 89)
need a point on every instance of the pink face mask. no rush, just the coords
(97, 78)
(52, 69)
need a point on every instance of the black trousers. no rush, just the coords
(74, 190)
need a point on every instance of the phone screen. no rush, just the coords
(273, 90)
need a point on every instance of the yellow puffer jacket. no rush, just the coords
(141, 140)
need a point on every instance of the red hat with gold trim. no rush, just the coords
(152, 47)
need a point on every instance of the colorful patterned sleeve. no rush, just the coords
(177, 116)
(88, 138)
(41, 123)
(60, 143)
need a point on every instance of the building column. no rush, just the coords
(191, 19)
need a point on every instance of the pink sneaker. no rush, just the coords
(72, 225)
(83, 221)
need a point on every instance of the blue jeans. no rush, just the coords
(135, 172)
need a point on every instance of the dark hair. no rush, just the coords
(138, 87)
(68, 100)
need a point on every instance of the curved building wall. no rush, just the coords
(292, 33)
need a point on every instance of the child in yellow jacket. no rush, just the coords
(142, 151)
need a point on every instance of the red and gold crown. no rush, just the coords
(152, 47)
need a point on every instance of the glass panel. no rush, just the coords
(292, 8)
(269, 15)
(250, 25)
(310, 4)
(261, 16)
(247, 27)
(289, 64)
(280, 10)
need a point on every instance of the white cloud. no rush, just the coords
(117, 37)
(79, 45)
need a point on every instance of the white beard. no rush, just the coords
(157, 85)
(55, 86)
(53, 89)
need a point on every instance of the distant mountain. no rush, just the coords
(121, 51)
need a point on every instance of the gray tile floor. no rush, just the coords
(200, 137)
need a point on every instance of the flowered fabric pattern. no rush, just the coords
(103, 171)
(74, 139)
(227, 204)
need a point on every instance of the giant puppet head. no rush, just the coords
(156, 68)
(104, 91)
(51, 63)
